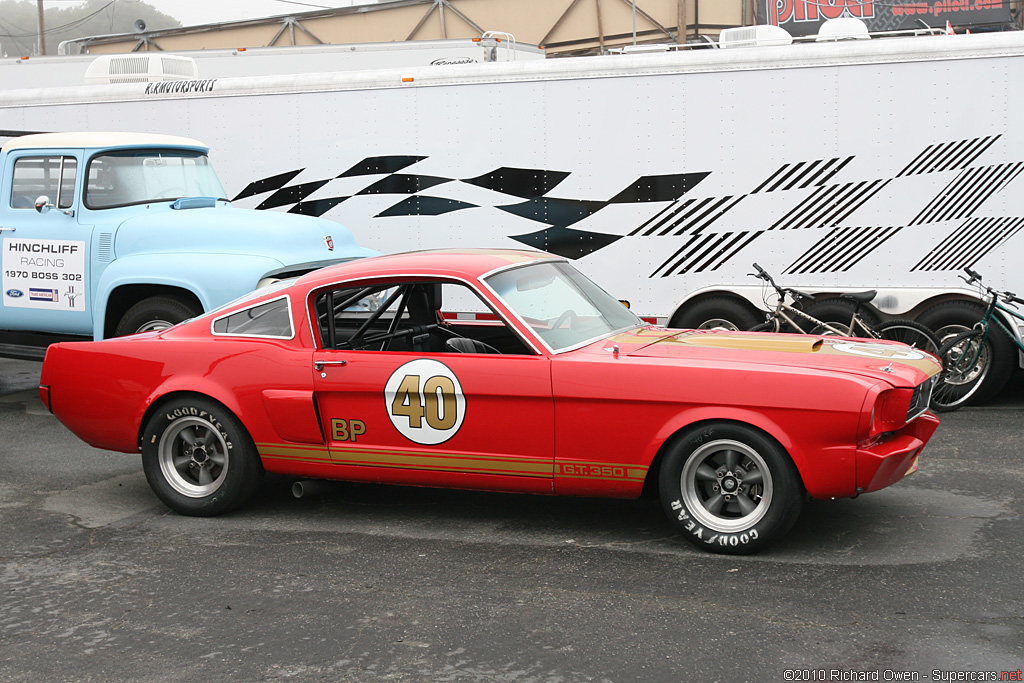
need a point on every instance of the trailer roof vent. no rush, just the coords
(754, 36)
(107, 69)
(843, 28)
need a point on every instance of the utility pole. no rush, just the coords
(681, 22)
(42, 29)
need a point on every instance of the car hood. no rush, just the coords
(224, 229)
(898, 364)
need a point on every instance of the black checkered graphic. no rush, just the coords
(530, 185)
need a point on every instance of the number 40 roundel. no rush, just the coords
(425, 401)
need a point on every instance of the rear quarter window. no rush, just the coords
(270, 319)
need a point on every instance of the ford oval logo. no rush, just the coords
(15, 293)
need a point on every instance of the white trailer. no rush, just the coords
(886, 163)
(139, 67)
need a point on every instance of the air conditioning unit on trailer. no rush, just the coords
(140, 68)
(754, 36)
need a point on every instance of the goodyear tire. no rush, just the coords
(198, 458)
(729, 488)
(154, 313)
(717, 312)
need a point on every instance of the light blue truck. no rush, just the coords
(106, 234)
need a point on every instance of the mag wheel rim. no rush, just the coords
(193, 457)
(726, 486)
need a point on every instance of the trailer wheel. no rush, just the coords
(839, 314)
(717, 312)
(952, 318)
(154, 313)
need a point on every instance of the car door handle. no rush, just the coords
(319, 365)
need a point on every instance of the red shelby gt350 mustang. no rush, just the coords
(542, 383)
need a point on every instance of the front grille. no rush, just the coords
(920, 399)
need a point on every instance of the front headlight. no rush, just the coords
(891, 411)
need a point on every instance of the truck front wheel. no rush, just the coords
(154, 313)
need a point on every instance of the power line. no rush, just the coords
(70, 25)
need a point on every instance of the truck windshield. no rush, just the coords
(130, 177)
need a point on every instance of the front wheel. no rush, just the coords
(730, 489)
(155, 313)
(198, 458)
(966, 362)
(909, 332)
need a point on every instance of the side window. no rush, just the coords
(372, 318)
(418, 317)
(460, 299)
(269, 319)
(52, 176)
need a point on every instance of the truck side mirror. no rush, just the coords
(43, 205)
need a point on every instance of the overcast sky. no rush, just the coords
(191, 12)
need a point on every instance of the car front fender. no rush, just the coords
(215, 279)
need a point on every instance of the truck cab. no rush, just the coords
(105, 234)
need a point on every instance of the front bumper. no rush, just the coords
(885, 463)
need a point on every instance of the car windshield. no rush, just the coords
(130, 177)
(562, 306)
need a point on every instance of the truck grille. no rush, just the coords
(920, 399)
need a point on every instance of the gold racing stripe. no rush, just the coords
(397, 459)
(830, 346)
(451, 462)
(280, 451)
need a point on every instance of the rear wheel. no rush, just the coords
(837, 313)
(717, 312)
(198, 458)
(909, 332)
(967, 360)
(155, 313)
(729, 488)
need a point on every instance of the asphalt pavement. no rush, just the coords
(100, 582)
